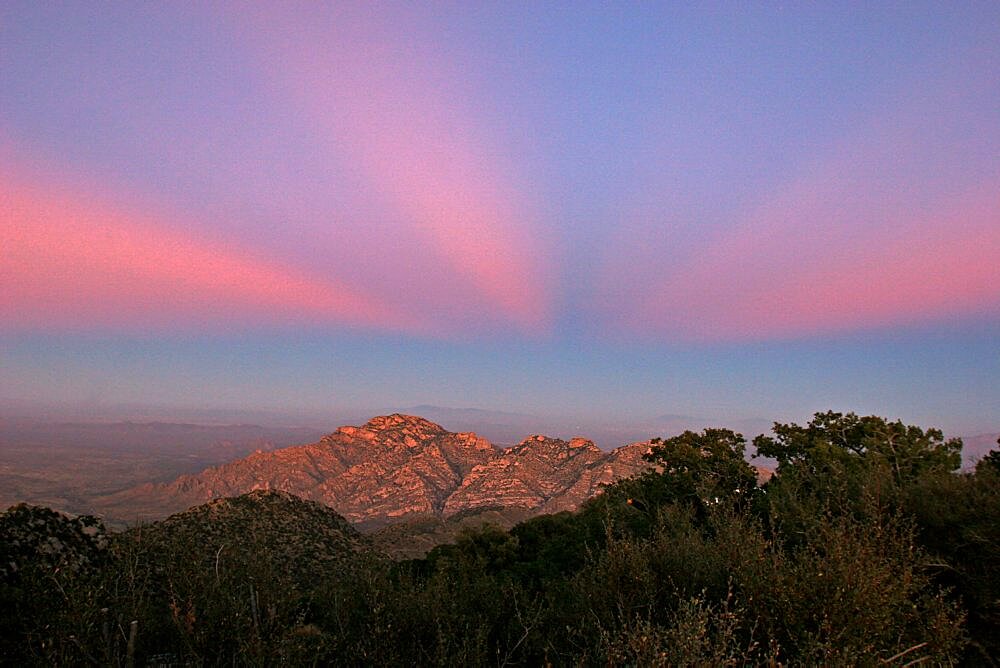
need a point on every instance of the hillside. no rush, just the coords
(302, 537)
(395, 467)
(806, 571)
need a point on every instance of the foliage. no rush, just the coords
(958, 519)
(865, 549)
(844, 464)
(703, 468)
(45, 560)
(838, 443)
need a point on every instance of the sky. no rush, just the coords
(601, 212)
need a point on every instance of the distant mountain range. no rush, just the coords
(394, 469)
(398, 467)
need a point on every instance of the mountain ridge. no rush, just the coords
(397, 466)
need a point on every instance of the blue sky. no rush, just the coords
(583, 211)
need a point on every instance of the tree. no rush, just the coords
(708, 466)
(852, 442)
(844, 464)
(693, 469)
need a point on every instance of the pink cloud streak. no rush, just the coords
(872, 230)
(395, 116)
(72, 259)
(796, 271)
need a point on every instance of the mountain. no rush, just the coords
(546, 474)
(498, 426)
(395, 467)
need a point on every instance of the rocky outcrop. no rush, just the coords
(399, 466)
(529, 475)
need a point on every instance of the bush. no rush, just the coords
(864, 549)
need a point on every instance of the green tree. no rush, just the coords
(842, 463)
(839, 441)
(958, 521)
(708, 466)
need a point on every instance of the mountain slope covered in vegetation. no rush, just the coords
(867, 547)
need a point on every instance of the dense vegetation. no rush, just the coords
(867, 547)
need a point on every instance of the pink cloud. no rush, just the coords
(72, 259)
(895, 223)
(395, 112)
(804, 266)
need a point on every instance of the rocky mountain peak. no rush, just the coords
(538, 442)
(397, 466)
(412, 424)
(542, 445)
(395, 429)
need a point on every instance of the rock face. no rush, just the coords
(399, 466)
(537, 473)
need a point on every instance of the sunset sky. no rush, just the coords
(595, 211)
